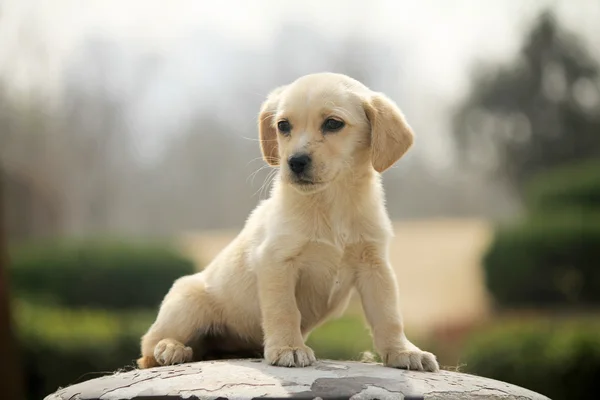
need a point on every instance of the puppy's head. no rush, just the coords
(326, 126)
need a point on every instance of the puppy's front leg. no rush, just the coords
(376, 283)
(284, 345)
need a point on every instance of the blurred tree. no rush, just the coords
(31, 153)
(10, 376)
(541, 111)
(102, 84)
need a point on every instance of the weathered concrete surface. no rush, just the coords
(248, 379)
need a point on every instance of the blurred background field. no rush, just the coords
(129, 157)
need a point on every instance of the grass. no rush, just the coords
(344, 338)
(73, 328)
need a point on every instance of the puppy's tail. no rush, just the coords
(147, 362)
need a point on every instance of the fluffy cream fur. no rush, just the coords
(305, 249)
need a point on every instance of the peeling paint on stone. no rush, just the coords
(255, 379)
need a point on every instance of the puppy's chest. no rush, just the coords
(338, 230)
(324, 271)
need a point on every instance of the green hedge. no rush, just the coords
(575, 187)
(547, 261)
(60, 347)
(109, 275)
(560, 359)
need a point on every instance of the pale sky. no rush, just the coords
(447, 33)
(440, 38)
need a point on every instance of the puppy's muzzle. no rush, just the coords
(299, 164)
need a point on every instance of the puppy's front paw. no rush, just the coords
(413, 359)
(169, 352)
(285, 356)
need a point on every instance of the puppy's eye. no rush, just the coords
(284, 127)
(332, 125)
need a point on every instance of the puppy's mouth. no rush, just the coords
(303, 181)
(306, 184)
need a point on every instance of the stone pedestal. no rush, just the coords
(249, 379)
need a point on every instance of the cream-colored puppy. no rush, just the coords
(323, 232)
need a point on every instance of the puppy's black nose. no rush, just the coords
(299, 163)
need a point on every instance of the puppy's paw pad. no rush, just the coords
(290, 356)
(416, 360)
(170, 352)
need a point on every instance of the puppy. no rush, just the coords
(323, 232)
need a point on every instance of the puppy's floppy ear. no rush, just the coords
(391, 136)
(267, 131)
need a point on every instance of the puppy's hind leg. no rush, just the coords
(185, 313)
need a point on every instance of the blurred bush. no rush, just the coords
(551, 258)
(546, 262)
(106, 275)
(560, 358)
(575, 187)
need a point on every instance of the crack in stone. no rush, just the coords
(162, 378)
(126, 386)
(232, 385)
(460, 393)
